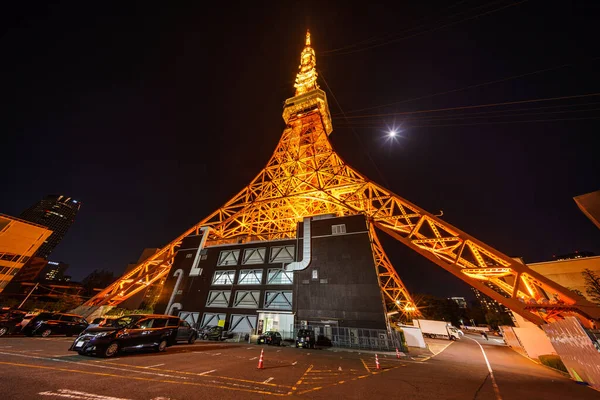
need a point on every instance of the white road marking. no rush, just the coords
(253, 358)
(268, 380)
(295, 362)
(73, 394)
(206, 372)
(494, 384)
(308, 354)
(339, 368)
(5, 347)
(152, 366)
(217, 354)
(248, 348)
(278, 351)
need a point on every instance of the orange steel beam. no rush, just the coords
(305, 177)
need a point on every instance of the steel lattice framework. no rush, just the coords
(306, 177)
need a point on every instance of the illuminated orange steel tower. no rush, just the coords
(306, 177)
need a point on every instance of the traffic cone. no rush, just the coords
(397, 353)
(260, 360)
(377, 366)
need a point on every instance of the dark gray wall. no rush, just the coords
(347, 288)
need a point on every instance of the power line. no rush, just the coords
(489, 123)
(426, 31)
(353, 131)
(474, 116)
(466, 87)
(383, 37)
(474, 106)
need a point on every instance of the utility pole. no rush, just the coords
(28, 294)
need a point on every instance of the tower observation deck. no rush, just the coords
(306, 177)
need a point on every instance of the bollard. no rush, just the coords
(260, 360)
(397, 353)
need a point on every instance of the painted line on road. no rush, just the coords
(365, 364)
(300, 380)
(494, 384)
(139, 378)
(206, 372)
(295, 362)
(268, 380)
(212, 376)
(74, 394)
(253, 358)
(153, 366)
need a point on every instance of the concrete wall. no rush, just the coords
(413, 336)
(568, 272)
(534, 341)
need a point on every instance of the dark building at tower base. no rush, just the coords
(324, 278)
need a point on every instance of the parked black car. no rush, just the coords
(131, 332)
(215, 333)
(46, 324)
(271, 338)
(186, 332)
(305, 338)
(10, 321)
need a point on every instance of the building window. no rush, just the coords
(218, 298)
(250, 277)
(223, 278)
(280, 300)
(189, 255)
(281, 254)
(338, 229)
(278, 276)
(246, 298)
(210, 319)
(254, 256)
(315, 274)
(228, 257)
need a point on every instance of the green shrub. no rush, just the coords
(553, 361)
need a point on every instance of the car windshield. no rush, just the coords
(125, 321)
(305, 332)
(97, 320)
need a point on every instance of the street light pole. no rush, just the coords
(28, 294)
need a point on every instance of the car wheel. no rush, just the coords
(162, 346)
(3, 330)
(192, 339)
(111, 350)
(81, 353)
(46, 332)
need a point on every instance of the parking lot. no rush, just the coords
(43, 368)
(203, 369)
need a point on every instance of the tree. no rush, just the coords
(99, 279)
(592, 285)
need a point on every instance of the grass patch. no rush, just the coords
(553, 361)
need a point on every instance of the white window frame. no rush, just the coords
(254, 256)
(250, 273)
(281, 254)
(218, 295)
(244, 295)
(225, 277)
(228, 257)
(283, 300)
(338, 229)
(279, 276)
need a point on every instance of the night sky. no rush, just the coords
(155, 115)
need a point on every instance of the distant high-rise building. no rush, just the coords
(56, 213)
(462, 303)
(19, 240)
(489, 304)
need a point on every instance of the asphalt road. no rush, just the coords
(42, 368)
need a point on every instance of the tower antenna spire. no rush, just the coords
(306, 79)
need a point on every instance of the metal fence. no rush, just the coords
(357, 338)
